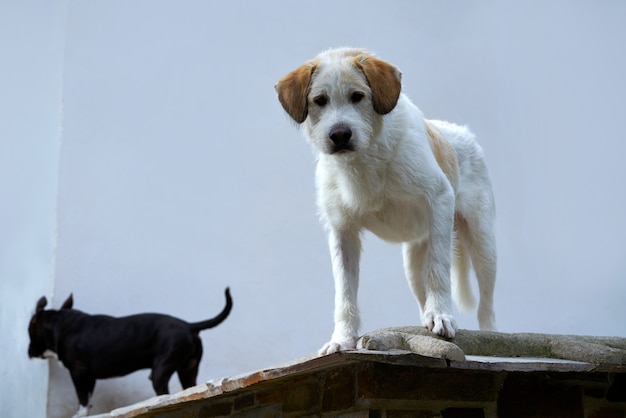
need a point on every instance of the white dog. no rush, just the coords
(384, 168)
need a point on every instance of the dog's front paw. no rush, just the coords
(440, 324)
(335, 346)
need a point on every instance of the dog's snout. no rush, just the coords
(340, 135)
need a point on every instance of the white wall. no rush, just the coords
(180, 174)
(32, 35)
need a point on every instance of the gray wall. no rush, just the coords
(32, 36)
(179, 174)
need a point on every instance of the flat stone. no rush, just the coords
(422, 344)
(594, 350)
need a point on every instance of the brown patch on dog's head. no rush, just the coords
(384, 80)
(293, 89)
(444, 153)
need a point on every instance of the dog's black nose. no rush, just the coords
(340, 135)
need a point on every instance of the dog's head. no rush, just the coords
(340, 97)
(40, 328)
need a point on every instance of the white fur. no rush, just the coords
(83, 411)
(391, 184)
(50, 354)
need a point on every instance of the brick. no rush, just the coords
(302, 396)
(339, 390)
(176, 412)
(533, 395)
(384, 381)
(244, 401)
(595, 392)
(272, 395)
(266, 411)
(215, 409)
(607, 413)
(617, 390)
(375, 413)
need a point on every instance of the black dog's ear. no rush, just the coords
(69, 302)
(41, 303)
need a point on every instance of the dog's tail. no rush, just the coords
(213, 322)
(461, 286)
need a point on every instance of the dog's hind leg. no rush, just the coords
(460, 272)
(184, 346)
(161, 375)
(188, 372)
(476, 233)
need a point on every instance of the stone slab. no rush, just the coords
(595, 350)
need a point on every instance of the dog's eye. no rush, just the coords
(356, 97)
(320, 100)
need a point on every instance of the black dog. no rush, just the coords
(100, 346)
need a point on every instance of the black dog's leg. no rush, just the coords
(188, 373)
(170, 361)
(84, 385)
(160, 378)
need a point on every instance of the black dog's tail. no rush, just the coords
(213, 322)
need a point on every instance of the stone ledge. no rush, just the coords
(599, 351)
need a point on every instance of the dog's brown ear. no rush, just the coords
(292, 91)
(384, 79)
(69, 302)
(41, 303)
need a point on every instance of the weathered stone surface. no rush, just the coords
(407, 339)
(595, 350)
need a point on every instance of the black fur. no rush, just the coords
(100, 346)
